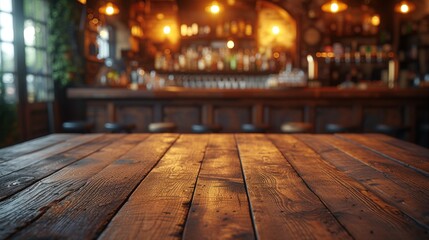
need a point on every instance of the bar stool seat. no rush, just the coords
(78, 127)
(115, 127)
(162, 127)
(202, 128)
(338, 128)
(296, 127)
(395, 131)
(254, 128)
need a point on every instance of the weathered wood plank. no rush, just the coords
(31, 203)
(85, 213)
(416, 180)
(158, 207)
(282, 205)
(409, 155)
(403, 196)
(220, 206)
(407, 146)
(15, 181)
(364, 214)
(31, 158)
(18, 150)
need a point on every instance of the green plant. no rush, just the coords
(63, 41)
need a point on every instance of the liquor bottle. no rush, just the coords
(249, 30)
(246, 61)
(233, 62)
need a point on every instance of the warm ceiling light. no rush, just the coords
(404, 7)
(109, 9)
(275, 30)
(166, 30)
(214, 8)
(334, 6)
(82, 1)
(375, 20)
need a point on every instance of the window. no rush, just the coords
(7, 53)
(40, 86)
(39, 82)
(103, 43)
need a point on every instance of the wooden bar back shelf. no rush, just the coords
(226, 186)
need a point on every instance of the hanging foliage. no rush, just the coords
(63, 41)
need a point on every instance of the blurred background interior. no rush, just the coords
(214, 66)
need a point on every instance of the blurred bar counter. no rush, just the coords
(230, 108)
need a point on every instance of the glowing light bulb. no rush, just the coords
(405, 8)
(214, 9)
(334, 7)
(230, 44)
(275, 30)
(375, 20)
(109, 10)
(167, 30)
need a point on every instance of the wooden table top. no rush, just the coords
(214, 186)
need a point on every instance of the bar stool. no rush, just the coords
(296, 127)
(114, 127)
(394, 131)
(202, 128)
(253, 128)
(162, 127)
(78, 127)
(338, 128)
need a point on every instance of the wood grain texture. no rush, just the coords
(220, 208)
(282, 205)
(15, 181)
(158, 207)
(84, 213)
(391, 168)
(18, 150)
(33, 202)
(31, 158)
(407, 154)
(364, 214)
(397, 193)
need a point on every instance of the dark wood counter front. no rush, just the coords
(231, 108)
(214, 186)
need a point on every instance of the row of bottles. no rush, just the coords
(362, 54)
(238, 28)
(220, 59)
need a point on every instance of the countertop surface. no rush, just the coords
(214, 186)
(178, 92)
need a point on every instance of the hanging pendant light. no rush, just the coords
(109, 9)
(334, 6)
(404, 7)
(82, 1)
(214, 8)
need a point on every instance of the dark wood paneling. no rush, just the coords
(343, 115)
(390, 115)
(275, 116)
(231, 118)
(140, 115)
(37, 120)
(183, 116)
(97, 113)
